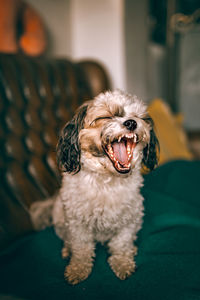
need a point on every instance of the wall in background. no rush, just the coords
(114, 32)
(56, 16)
(98, 32)
(87, 29)
(136, 45)
(189, 78)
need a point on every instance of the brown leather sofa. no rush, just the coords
(37, 96)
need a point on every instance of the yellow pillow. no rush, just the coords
(171, 136)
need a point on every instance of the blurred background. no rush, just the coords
(149, 47)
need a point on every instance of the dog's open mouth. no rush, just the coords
(120, 152)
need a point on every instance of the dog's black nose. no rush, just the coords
(130, 124)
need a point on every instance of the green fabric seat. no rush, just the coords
(168, 260)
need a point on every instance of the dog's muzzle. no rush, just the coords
(120, 151)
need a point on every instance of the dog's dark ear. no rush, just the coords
(68, 148)
(151, 151)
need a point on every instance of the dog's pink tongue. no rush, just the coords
(120, 152)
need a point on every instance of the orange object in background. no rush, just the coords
(171, 135)
(32, 39)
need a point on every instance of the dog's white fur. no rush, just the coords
(96, 202)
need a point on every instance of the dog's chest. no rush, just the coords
(102, 208)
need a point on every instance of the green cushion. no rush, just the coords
(168, 260)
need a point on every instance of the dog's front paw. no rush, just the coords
(122, 266)
(76, 272)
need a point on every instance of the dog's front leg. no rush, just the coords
(82, 254)
(122, 253)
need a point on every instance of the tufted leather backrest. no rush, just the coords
(37, 97)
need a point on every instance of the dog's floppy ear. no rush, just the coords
(151, 151)
(68, 148)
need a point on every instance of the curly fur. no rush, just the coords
(100, 199)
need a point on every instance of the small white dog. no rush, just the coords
(101, 151)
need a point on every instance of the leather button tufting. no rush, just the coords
(37, 97)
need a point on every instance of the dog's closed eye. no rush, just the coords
(148, 120)
(100, 118)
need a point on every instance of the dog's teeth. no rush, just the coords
(110, 148)
(119, 139)
(135, 138)
(129, 135)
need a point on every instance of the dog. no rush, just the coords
(101, 152)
